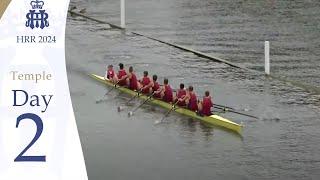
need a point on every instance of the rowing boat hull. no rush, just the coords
(212, 120)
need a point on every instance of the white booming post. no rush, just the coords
(267, 57)
(123, 13)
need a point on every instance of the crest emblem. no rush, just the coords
(37, 17)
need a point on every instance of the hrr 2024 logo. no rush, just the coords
(37, 17)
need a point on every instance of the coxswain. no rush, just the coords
(146, 83)
(180, 95)
(110, 74)
(166, 91)
(122, 75)
(155, 86)
(132, 79)
(205, 105)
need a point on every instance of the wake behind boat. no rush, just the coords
(214, 120)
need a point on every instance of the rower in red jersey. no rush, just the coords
(146, 83)
(132, 79)
(155, 86)
(181, 93)
(110, 74)
(166, 92)
(122, 75)
(205, 105)
(192, 99)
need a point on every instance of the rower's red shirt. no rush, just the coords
(122, 73)
(168, 94)
(133, 82)
(206, 106)
(193, 105)
(156, 87)
(180, 94)
(145, 81)
(110, 74)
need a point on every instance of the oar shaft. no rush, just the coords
(136, 95)
(237, 112)
(114, 87)
(148, 98)
(173, 106)
(168, 112)
(223, 106)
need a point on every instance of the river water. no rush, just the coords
(282, 144)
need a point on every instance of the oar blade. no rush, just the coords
(100, 101)
(130, 113)
(157, 122)
(120, 108)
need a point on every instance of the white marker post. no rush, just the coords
(123, 13)
(267, 57)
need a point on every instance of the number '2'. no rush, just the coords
(35, 118)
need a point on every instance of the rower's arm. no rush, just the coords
(129, 76)
(161, 89)
(149, 85)
(123, 78)
(185, 97)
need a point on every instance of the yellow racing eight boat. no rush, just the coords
(215, 120)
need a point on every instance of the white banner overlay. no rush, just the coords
(38, 133)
